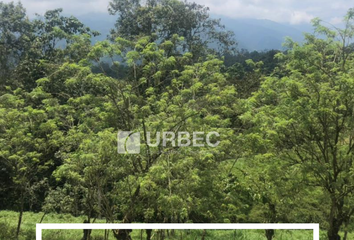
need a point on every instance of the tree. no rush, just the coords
(306, 117)
(15, 33)
(161, 19)
(162, 93)
(25, 150)
(29, 49)
(30, 130)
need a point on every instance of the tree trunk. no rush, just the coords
(269, 234)
(148, 234)
(42, 218)
(203, 235)
(272, 218)
(346, 228)
(335, 220)
(20, 217)
(333, 230)
(99, 204)
(106, 234)
(87, 232)
(161, 234)
(345, 235)
(122, 234)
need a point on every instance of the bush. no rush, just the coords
(30, 234)
(7, 232)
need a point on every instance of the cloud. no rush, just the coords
(336, 20)
(298, 17)
(75, 7)
(288, 11)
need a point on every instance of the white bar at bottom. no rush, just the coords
(226, 226)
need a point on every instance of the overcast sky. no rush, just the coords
(289, 11)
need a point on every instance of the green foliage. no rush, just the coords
(30, 49)
(162, 19)
(305, 120)
(284, 120)
(8, 223)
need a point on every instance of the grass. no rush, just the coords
(8, 223)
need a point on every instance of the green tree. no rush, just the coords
(306, 117)
(29, 49)
(168, 184)
(26, 150)
(15, 33)
(164, 18)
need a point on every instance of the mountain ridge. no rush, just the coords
(251, 34)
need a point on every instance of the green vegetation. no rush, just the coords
(285, 125)
(8, 224)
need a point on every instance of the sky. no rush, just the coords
(282, 11)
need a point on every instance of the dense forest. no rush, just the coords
(285, 121)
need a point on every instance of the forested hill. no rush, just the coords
(251, 34)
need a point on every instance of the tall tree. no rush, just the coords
(15, 37)
(29, 49)
(306, 117)
(164, 18)
(161, 184)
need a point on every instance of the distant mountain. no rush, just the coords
(262, 34)
(251, 34)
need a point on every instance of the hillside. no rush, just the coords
(251, 34)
